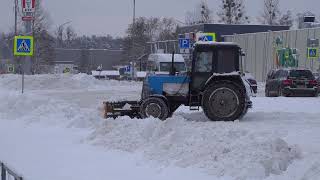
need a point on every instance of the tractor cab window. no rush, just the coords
(228, 60)
(204, 62)
(166, 66)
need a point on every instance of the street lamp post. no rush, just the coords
(60, 33)
(133, 25)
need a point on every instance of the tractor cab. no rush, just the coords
(211, 58)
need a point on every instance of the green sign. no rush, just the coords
(23, 46)
(313, 53)
(66, 70)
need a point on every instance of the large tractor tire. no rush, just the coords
(154, 107)
(224, 101)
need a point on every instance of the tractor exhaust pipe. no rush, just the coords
(173, 70)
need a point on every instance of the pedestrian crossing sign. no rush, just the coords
(313, 53)
(23, 46)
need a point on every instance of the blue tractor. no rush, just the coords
(215, 83)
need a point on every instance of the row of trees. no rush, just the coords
(233, 12)
(138, 34)
(145, 30)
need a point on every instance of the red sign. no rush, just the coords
(28, 6)
(27, 18)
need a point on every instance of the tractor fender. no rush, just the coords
(165, 99)
(234, 78)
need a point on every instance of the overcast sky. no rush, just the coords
(103, 17)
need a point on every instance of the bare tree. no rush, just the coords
(201, 14)
(59, 37)
(168, 29)
(152, 26)
(233, 12)
(286, 19)
(145, 30)
(70, 36)
(271, 12)
(44, 42)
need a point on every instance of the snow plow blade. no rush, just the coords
(125, 108)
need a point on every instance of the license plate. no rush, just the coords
(300, 86)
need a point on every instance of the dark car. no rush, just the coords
(291, 82)
(252, 81)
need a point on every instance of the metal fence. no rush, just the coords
(261, 51)
(8, 174)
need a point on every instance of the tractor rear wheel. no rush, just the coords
(224, 101)
(154, 107)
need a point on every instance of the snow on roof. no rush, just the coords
(105, 73)
(216, 43)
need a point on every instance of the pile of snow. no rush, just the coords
(262, 145)
(221, 149)
(58, 82)
(46, 110)
(105, 73)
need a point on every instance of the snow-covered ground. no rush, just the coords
(54, 131)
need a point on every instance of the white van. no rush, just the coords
(161, 63)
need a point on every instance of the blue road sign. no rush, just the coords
(128, 69)
(23, 45)
(207, 37)
(313, 53)
(184, 43)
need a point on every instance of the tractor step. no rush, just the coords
(124, 108)
(194, 103)
(194, 108)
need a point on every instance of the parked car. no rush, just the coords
(291, 82)
(316, 74)
(252, 81)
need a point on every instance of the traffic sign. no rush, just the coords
(23, 46)
(127, 69)
(27, 18)
(184, 43)
(313, 53)
(28, 6)
(10, 68)
(313, 42)
(66, 70)
(208, 37)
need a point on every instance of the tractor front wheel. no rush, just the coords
(154, 107)
(224, 101)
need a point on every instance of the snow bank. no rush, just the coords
(260, 146)
(222, 149)
(58, 82)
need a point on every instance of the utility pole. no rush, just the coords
(16, 17)
(16, 29)
(134, 11)
(133, 25)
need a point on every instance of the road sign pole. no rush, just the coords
(27, 63)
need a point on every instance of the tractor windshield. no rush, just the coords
(166, 66)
